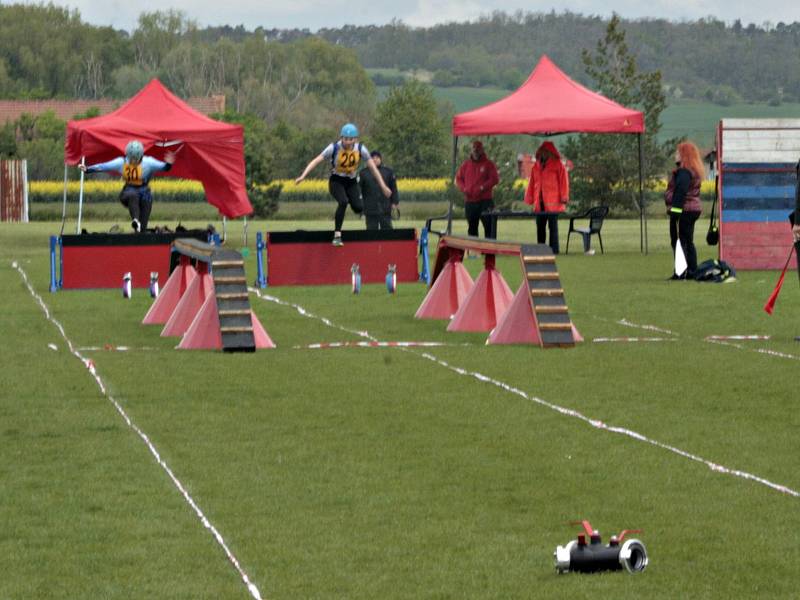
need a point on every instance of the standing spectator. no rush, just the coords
(377, 207)
(683, 203)
(136, 170)
(476, 178)
(344, 156)
(548, 192)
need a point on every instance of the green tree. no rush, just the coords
(41, 144)
(410, 133)
(607, 166)
(8, 141)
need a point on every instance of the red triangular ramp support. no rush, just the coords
(447, 292)
(484, 305)
(204, 332)
(518, 324)
(200, 288)
(576, 335)
(173, 290)
(260, 334)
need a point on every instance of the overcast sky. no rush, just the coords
(313, 14)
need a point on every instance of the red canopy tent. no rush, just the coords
(549, 103)
(209, 151)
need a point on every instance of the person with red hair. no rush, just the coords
(683, 203)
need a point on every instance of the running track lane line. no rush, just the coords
(89, 364)
(597, 424)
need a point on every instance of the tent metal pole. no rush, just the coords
(642, 211)
(244, 232)
(80, 198)
(452, 180)
(64, 204)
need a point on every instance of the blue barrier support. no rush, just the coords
(425, 274)
(261, 279)
(53, 282)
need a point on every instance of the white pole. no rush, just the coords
(80, 198)
(25, 212)
(244, 232)
(64, 203)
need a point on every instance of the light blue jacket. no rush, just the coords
(132, 176)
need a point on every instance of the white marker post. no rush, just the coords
(80, 198)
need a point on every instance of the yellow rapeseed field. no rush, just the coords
(319, 186)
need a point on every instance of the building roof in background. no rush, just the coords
(11, 110)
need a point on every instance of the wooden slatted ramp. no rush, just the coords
(548, 305)
(538, 313)
(230, 290)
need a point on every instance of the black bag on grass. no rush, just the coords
(716, 271)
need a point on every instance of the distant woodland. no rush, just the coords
(47, 51)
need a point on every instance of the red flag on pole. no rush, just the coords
(770, 305)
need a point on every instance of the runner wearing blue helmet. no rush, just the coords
(136, 170)
(344, 157)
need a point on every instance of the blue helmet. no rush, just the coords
(134, 151)
(349, 130)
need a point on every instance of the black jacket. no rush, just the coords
(375, 203)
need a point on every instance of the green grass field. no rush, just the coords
(399, 472)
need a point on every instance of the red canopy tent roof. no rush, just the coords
(549, 102)
(208, 150)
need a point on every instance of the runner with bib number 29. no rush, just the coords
(344, 157)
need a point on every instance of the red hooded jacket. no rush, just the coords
(548, 188)
(476, 178)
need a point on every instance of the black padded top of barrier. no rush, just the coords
(325, 237)
(131, 239)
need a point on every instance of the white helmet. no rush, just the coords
(134, 151)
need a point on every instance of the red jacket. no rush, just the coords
(548, 188)
(476, 178)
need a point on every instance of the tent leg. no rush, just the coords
(244, 232)
(642, 211)
(453, 179)
(80, 199)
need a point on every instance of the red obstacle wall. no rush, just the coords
(309, 258)
(99, 260)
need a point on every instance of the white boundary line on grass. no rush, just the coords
(632, 339)
(89, 364)
(722, 340)
(330, 345)
(717, 468)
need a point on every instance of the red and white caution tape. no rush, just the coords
(91, 367)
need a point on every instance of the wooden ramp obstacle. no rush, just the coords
(214, 308)
(537, 314)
